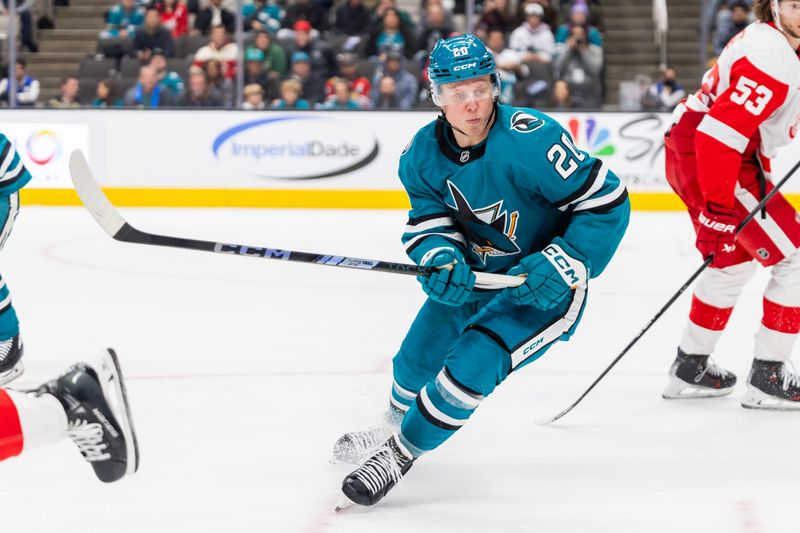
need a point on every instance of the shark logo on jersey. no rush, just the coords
(489, 229)
(525, 122)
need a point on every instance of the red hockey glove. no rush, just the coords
(717, 234)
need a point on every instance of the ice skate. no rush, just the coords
(371, 481)
(696, 376)
(11, 359)
(98, 415)
(353, 447)
(772, 385)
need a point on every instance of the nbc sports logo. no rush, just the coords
(592, 136)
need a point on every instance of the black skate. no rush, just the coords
(96, 405)
(694, 376)
(11, 359)
(771, 385)
(370, 482)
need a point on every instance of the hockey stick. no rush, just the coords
(674, 297)
(98, 204)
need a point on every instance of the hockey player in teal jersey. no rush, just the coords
(493, 188)
(13, 177)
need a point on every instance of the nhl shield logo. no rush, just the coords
(464, 156)
(525, 122)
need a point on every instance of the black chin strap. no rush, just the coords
(443, 118)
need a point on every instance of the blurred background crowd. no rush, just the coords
(355, 54)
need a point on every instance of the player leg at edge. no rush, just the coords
(88, 404)
(11, 348)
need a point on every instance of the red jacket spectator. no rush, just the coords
(174, 17)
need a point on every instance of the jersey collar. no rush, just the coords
(449, 147)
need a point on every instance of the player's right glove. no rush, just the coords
(450, 286)
(717, 234)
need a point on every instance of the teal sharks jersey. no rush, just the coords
(511, 195)
(13, 174)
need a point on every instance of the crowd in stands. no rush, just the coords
(317, 54)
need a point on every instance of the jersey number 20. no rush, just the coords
(743, 95)
(561, 160)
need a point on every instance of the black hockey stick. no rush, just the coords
(674, 297)
(117, 227)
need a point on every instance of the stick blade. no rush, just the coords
(92, 196)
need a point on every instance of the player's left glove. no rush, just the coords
(550, 276)
(451, 285)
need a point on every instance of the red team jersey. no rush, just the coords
(750, 97)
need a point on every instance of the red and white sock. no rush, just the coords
(28, 421)
(778, 332)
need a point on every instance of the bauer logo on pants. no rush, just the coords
(302, 146)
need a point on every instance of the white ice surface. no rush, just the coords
(243, 372)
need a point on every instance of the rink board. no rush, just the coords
(292, 160)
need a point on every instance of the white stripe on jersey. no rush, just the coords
(429, 224)
(13, 209)
(14, 173)
(723, 133)
(455, 236)
(768, 224)
(599, 181)
(7, 162)
(602, 200)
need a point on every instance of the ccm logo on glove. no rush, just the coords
(572, 276)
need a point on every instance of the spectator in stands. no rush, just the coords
(274, 54)
(168, 79)
(360, 87)
(123, 19)
(290, 96)
(312, 82)
(253, 97)
(107, 94)
(549, 16)
(254, 73)
(560, 99)
(199, 94)
(25, 14)
(390, 35)
(579, 16)
(533, 37)
(580, 63)
(351, 18)
(385, 5)
(174, 17)
(147, 93)
(309, 11)
(387, 95)
(434, 27)
(323, 59)
(68, 98)
(217, 81)
(267, 16)
(212, 16)
(496, 15)
(27, 87)
(667, 92)
(406, 84)
(342, 98)
(738, 20)
(509, 64)
(221, 49)
(152, 35)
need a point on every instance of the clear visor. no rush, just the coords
(464, 93)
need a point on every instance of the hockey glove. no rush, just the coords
(716, 234)
(550, 277)
(451, 285)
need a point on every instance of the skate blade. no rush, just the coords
(113, 386)
(756, 399)
(11, 375)
(677, 389)
(343, 504)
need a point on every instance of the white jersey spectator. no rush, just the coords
(533, 37)
(27, 87)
